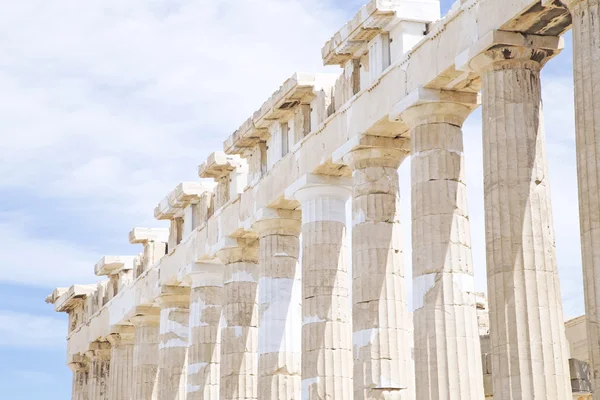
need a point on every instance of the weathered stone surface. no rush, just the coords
(239, 335)
(388, 52)
(280, 306)
(586, 67)
(447, 349)
(381, 334)
(145, 354)
(326, 326)
(204, 351)
(99, 371)
(173, 347)
(529, 348)
(121, 363)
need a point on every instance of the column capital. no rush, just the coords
(239, 250)
(314, 185)
(174, 297)
(571, 4)
(506, 50)
(364, 151)
(202, 274)
(121, 335)
(426, 106)
(145, 316)
(99, 351)
(78, 363)
(272, 221)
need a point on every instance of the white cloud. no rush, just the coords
(108, 104)
(128, 97)
(28, 260)
(30, 331)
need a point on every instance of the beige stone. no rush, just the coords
(122, 343)
(280, 305)
(99, 370)
(586, 56)
(381, 333)
(447, 349)
(388, 52)
(528, 344)
(80, 368)
(204, 349)
(326, 326)
(145, 353)
(239, 335)
(174, 305)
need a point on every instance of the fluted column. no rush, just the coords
(145, 354)
(586, 71)
(327, 319)
(174, 305)
(121, 363)
(239, 335)
(447, 348)
(528, 344)
(280, 306)
(380, 319)
(99, 370)
(80, 368)
(204, 349)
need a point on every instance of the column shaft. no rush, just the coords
(99, 371)
(380, 319)
(529, 348)
(327, 320)
(280, 309)
(447, 348)
(204, 351)
(239, 336)
(80, 381)
(145, 357)
(121, 364)
(173, 347)
(586, 54)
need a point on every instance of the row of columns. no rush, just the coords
(257, 328)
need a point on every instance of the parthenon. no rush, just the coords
(254, 291)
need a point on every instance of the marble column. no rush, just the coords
(204, 348)
(239, 335)
(99, 370)
(327, 319)
(586, 71)
(380, 319)
(280, 305)
(174, 305)
(145, 354)
(121, 363)
(447, 348)
(528, 344)
(80, 368)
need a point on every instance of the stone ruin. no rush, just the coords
(218, 305)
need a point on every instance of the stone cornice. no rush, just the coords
(183, 195)
(299, 89)
(502, 46)
(145, 235)
(70, 298)
(111, 265)
(219, 164)
(377, 16)
(348, 129)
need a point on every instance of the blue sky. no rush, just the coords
(106, 105)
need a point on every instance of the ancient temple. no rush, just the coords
(249, 294)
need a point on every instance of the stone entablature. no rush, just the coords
(409, 80)
(187, 207)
